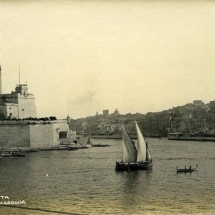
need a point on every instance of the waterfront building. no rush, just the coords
(19, 125)
(17, 105)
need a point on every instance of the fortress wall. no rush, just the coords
(47, 134)
(14, 135)
(21, 134)
(57, 128)
(3, 111)
(41, 135)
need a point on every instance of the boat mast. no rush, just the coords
(19, 74)
(0, 81)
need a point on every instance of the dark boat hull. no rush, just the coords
(100, 145)
(188, 137)
(186, 170)
(18, 155)
(120, 166)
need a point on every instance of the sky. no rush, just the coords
(82, 57)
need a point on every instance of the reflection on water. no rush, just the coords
(135, 188)
(85, 181)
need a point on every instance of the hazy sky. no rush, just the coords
(80, 57)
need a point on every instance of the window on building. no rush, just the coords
(63, 134)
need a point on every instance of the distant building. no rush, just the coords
(116, 112)
(212, 104)
(198, 103)
(94, 128)
(105, 112)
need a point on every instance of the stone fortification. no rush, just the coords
(13, 134)
(19, 126)
(32, 133)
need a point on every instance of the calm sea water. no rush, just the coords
(85, 182)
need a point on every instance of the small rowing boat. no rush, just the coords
(185, 170)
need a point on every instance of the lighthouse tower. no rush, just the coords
(17, 105)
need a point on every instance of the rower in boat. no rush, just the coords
(187, 170)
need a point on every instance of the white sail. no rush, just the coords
(148, 155)
(141, 145)
(129, 152)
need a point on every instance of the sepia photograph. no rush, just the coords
(107, 107)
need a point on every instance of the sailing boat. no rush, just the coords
(134, 156)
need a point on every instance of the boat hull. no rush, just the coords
(100, 145)
(187, 137)
(186, 170)
(120, 166)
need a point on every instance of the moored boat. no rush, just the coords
(190, 137)
(134, 156)
(76, 147)
(100, 145)
(185, 170)
(71, 148)
(11, 154)
(17, 154)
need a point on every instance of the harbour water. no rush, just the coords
(85, 182)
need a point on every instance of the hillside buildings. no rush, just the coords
(190, 118)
